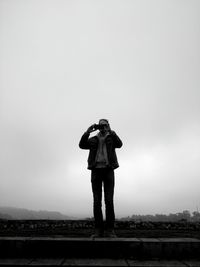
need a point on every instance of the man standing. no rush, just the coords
(102, 161)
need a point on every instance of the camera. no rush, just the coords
(98, 126)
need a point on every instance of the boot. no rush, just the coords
(98, 232)
(110, 233)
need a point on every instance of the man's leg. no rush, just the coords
(109, 183)
(96, 180)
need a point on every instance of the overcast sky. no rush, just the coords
(64, 64)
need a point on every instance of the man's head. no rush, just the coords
(105, 124)
(103, 121)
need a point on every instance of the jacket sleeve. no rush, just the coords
(117, 141)
(84, 142)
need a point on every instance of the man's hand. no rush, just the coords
(112, 132)
(108, 129)
(91, 129)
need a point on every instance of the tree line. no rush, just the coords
(172, 217)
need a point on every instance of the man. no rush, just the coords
(102, 161)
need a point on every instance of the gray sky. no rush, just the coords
(64, 65)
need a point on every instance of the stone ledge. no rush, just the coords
(96, 262)
(117, 248)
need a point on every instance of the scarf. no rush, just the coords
(102, 156)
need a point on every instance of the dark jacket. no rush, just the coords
(112, 142)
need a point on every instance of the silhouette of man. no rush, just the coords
(102, 161)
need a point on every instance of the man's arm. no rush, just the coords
(84, 142)
(117, 141)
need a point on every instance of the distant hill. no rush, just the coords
(25, 214)
(4, 216)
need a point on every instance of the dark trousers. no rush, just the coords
(103, 178)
